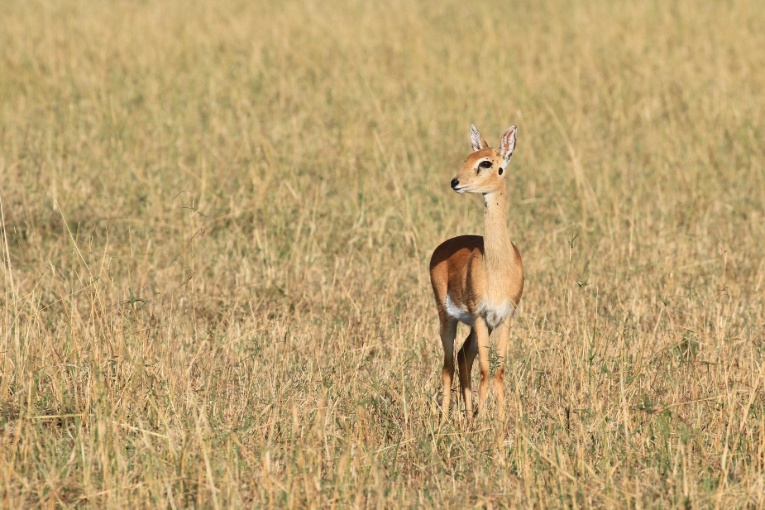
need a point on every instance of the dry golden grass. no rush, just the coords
(216, 225)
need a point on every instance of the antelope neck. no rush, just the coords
(498, 250)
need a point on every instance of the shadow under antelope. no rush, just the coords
(479, 280)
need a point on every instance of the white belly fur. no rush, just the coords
(494, 314)
(457, 312)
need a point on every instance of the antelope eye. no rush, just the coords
(485, 164)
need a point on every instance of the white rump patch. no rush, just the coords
(495, 314)
(457, 312)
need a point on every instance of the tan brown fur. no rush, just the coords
(478, 280)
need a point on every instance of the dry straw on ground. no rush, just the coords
(216, 221)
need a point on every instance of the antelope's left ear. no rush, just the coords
(475, 138)
(507, 143)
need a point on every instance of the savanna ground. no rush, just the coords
(217, 218)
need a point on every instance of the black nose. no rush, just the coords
(455, 183)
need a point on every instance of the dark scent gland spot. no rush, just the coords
(501, 170)
(485, 164)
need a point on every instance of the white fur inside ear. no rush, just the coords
(507, 143)
(475, 138)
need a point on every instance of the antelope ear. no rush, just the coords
(507, 143)
(475, 138)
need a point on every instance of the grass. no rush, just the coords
(217, 219)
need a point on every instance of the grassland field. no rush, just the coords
(217, 218)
